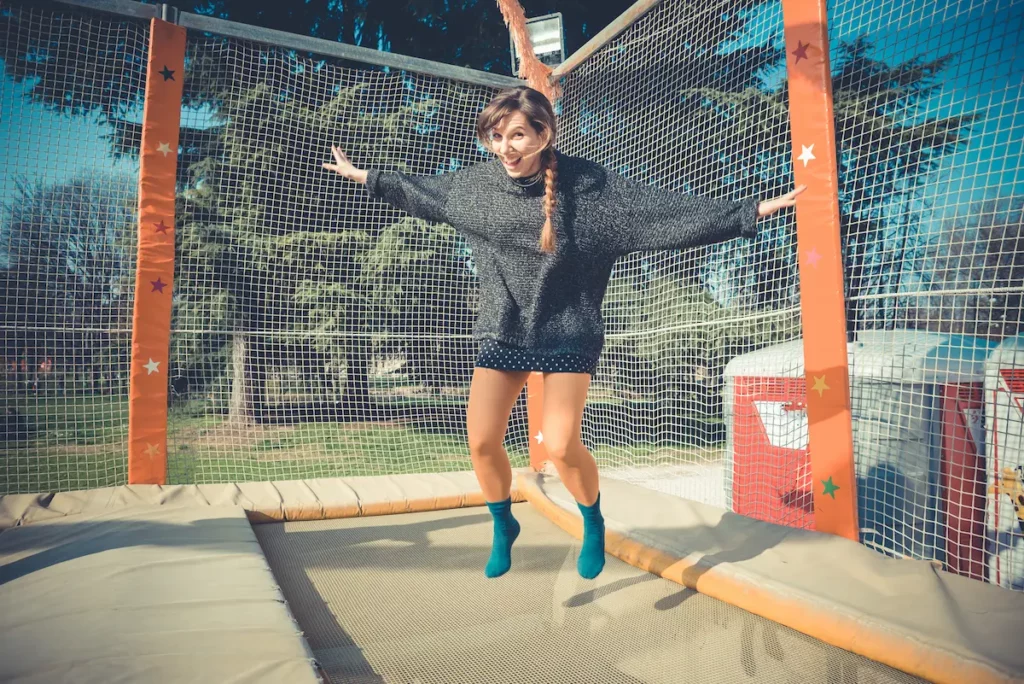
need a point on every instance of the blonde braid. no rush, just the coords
(547, 234)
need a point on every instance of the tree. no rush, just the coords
(107, 77)
(707, 124)
(975, 270)
(70, 272)
(669, 339)
(428, 325)
(888, 150)
(282, 253)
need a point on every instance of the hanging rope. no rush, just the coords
(536, 74)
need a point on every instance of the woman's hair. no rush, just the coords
(536, 108)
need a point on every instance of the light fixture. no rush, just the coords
(547, 39)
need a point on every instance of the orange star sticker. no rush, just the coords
(819, 385)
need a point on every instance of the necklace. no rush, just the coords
(533, 180)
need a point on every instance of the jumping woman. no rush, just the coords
(545, 230)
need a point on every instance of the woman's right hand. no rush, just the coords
(344, 167)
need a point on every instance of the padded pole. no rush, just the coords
(822, 300)
(154, 274)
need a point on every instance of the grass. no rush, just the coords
(81, 443)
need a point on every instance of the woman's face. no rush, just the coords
(518, 145)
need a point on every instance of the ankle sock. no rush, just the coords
(506, 529)
(591, 560)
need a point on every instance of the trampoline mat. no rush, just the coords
(403, 598)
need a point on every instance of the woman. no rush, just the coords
(545, 230)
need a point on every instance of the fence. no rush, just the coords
(315, 333)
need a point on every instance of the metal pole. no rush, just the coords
(330, 48)
(169, 14)
(125, 8)
(612, 31)
(320, 46)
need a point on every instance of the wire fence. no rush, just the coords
(928, 119)
(318, 333)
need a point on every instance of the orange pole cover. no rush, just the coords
(154, 274)
(821, 268)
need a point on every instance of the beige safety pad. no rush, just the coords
(265, 501)
(145, 594)
(907, 614)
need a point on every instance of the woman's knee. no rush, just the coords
(561, 447)
(483, 443)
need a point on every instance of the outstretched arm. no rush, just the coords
(423, 197)
(655, 219)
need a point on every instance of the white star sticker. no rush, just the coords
(807, 154)
(152, 367)
(166, 149)
(539, 437)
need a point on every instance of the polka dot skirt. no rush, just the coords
(501, 356)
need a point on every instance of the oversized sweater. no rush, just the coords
(551, 302)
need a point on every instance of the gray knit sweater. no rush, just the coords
(551, 303)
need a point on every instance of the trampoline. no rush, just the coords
(380, 580)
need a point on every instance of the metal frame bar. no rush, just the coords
(342, 51)
(126, 8)
(610, 33)
(320, 46)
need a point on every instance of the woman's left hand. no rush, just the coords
(769, 207)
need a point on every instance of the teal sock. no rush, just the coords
(506, 529)
(591, 560)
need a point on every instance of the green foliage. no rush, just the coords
(673, 340)
(275, 247)
(975, 270)
(68, 275)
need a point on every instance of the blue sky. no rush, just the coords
(988, 77)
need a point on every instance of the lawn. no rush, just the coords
(81, 442)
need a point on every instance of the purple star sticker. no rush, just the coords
(158, 285)
(801, 51)
(161, 227)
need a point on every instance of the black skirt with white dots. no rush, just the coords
(501, 356)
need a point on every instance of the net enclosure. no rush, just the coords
(815, 438)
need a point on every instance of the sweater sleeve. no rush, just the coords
(654, 219)
(423, 197)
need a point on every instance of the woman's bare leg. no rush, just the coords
(492, 395)
(564, 397)
(491, 398)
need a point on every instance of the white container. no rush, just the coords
(1004, 433)
(900, 384)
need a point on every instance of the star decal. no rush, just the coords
(165, 149)
(813, 257)
(152, 450)
(801, 51)
(539, 437)
(830, 487)
(168, 74)
(819, 385)
(158, 285)
(161, 227)
(152, 367)
(807, 154)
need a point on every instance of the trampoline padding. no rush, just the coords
(145, 594)
(907, 614)
(313, 499)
